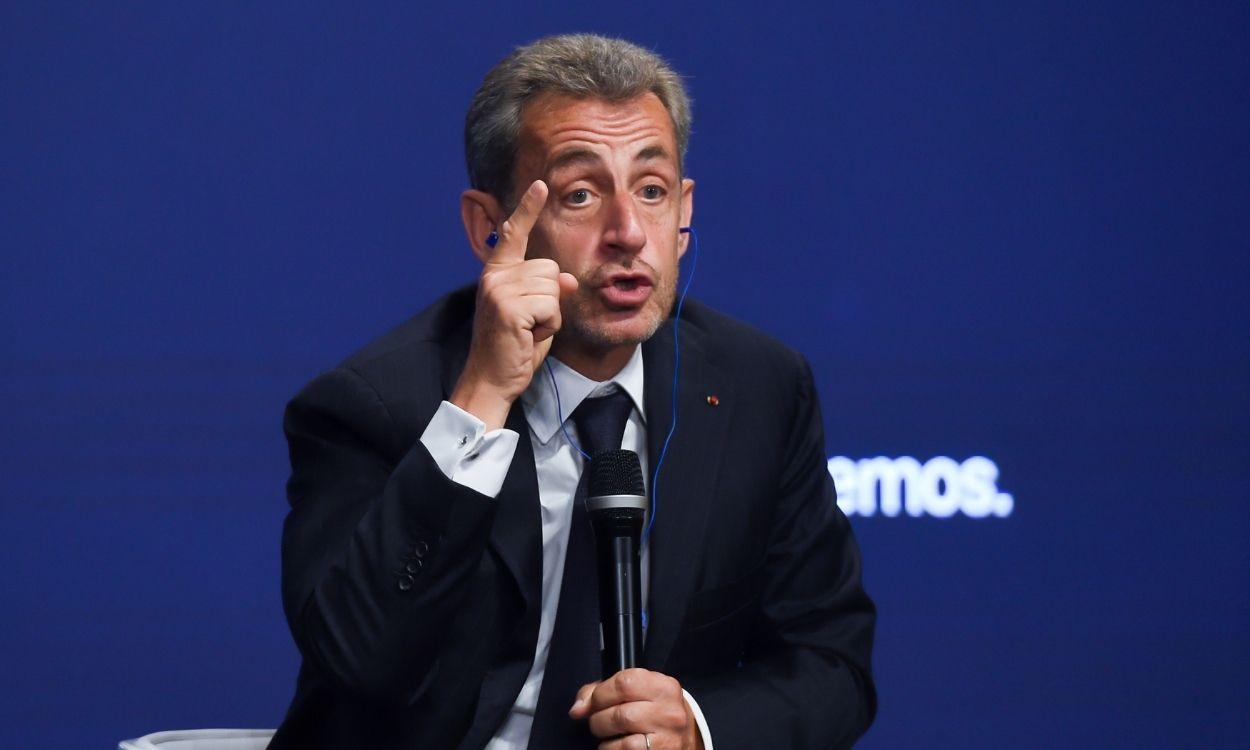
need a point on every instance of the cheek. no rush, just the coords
(662, 222)
(663, 213)
(662, 244)
(549, 239)
(572, 245)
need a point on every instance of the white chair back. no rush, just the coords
(201, 739)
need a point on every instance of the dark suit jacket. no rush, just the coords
(415, 601)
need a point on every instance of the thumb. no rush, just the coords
(568, 284)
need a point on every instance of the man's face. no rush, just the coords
(615, 202)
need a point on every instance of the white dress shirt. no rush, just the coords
(470, 455)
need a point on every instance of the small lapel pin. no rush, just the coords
(713, 401)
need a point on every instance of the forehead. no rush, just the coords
(553, 122)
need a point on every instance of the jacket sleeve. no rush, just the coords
(377, 551)
(805, 680)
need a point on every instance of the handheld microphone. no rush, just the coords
(616, 503)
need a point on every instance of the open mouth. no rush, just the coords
(626, 291)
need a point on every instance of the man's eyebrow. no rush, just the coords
(651, 152)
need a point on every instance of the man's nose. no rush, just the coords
(624, 232)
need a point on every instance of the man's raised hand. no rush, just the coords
(518, 313)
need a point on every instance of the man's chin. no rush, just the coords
(619, 327)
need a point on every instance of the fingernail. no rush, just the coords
(534, 189)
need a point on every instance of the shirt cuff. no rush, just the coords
(698, 719)
(465, 452)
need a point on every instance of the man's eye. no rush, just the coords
(578, 197)
(652, 192)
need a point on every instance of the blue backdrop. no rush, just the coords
(1015, 233)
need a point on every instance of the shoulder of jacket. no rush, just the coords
(432, 326)
(735, 343)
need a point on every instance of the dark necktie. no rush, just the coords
(573, 657)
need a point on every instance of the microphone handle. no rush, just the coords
(620, 600)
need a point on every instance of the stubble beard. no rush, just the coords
(580, 316)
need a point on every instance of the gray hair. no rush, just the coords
(580, 65)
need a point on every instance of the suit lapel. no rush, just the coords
(516, 535)
(687, 479)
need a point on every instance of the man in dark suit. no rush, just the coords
(433, 569)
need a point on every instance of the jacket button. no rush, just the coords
(413, 566)
(405, 583)
(420, 549)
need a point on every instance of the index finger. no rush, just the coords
(514, 233)
(581, 704)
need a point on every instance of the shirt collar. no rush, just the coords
(539, 398)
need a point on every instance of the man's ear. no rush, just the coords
(687, 215)
(481, 215)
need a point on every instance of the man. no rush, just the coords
(435, 472)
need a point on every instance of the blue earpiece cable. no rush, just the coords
(672, 428)
(560, 412)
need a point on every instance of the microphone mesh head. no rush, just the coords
(615, 472)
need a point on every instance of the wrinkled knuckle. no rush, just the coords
(672, 686)
(628, 681)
